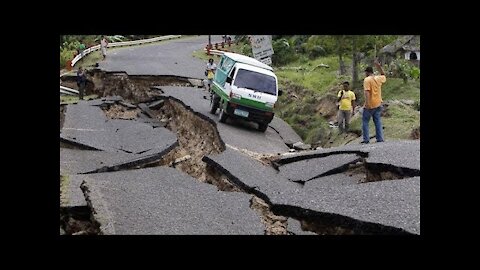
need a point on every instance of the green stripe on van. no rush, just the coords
(253, 104)
(243, 101)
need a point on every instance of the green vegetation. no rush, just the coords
(65, 99)
(398, 122)
(201, 54)
(310, 86)
(89, 60)
(395, 88)
(311, 74)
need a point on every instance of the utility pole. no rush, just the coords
(209, 41)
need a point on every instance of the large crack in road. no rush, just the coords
(198, 137)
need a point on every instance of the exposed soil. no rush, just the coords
(197, 137)
(78, 221)
(274, 224)
(415, 135)
(133, 88)
(117, 111)
(265, 159)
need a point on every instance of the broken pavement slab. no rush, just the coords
(74, 161)
(146, 110)
(404, 154)
(286, 132)
(196, 82)
(84, 116)
(250, 175)
(308, 169)
(334, 180)
(162, 200)
(123, 135)
(127, 104)
(394, 204)
(156, 104)
(399, 153)
(89, 126)
(377, 207)
(301, 146)
(154, 122)
(72, 195)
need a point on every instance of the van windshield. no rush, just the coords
(256, 81)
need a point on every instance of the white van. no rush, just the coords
(244, 87)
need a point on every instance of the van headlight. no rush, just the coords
(236, 96)
(269, 104)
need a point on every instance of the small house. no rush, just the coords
(407, 47)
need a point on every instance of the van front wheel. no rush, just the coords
(223, 116)
(262, 127)
(214, 102)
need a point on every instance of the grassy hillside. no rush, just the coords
(309, 102)
(394, 88)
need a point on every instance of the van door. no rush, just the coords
(225, 66)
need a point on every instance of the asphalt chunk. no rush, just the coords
(163, 200)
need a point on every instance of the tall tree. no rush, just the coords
(340, 42)
(354, 62)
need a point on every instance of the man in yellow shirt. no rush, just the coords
(372, 86)
(347, 104)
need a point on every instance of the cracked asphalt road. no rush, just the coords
(88, 125)
(163, 200)
(394, 203)
(307, 169)
(399, 153)
(167, 201)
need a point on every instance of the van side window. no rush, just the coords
(227, 64)
(230, 76)
(221, 62)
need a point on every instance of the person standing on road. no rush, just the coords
(103, 46)
(372, 86)
(210, 72)
(346, 98)
(81, 82)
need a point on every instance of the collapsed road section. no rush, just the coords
(196, 136)
(331, 204)
(135, 141)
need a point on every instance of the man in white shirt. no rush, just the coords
(210, 72)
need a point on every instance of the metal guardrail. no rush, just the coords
(68, 91)
(119, 44)
(215, 52)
